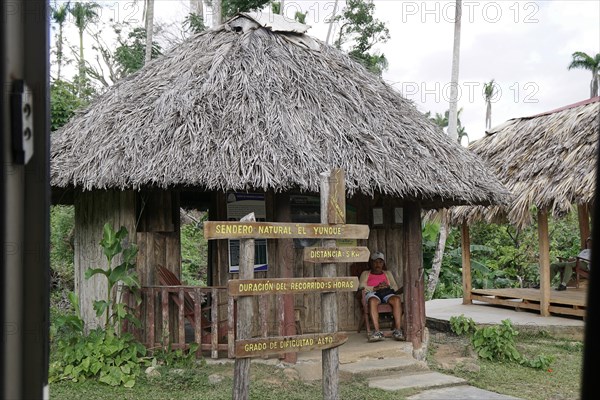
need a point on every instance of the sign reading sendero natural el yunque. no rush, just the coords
(282, 230)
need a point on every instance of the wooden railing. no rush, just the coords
(209, 311)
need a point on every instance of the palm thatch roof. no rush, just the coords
(257, 105)
(547, 161)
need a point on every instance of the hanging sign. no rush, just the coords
(256, 287)
(336, 254)
(282, 230)
(288, 344)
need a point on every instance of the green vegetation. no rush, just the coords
(123, 274)
(106, 354)
(194, 250)
(497, 342)
(561, 381)
(500, 255)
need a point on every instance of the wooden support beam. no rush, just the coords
(241, 376)
(414, 291)
(329, 318)
(284, 259)
(544, 250)
(584, 224)
(465, 240)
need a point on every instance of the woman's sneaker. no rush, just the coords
(397, 334)
(377, 336)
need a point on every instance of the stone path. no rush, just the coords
(400, 372)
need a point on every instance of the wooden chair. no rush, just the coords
(580, 271)
(357, 269)
(168, 278)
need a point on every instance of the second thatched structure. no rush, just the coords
(548, 162)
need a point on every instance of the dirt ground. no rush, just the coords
(447, 351)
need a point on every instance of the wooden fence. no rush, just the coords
(168, 312)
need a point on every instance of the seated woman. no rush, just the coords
(381, 287)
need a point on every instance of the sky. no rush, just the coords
(525, 46)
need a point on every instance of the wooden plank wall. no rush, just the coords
(158, 234)
(92, 210)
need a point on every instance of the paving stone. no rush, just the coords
(378, 366)
(460, 393)
(400, 381)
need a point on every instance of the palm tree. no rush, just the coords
(453, 117)
(584, 61)
(59, 15)
(149, 29)
(436, 266)
(489, 90)
(84, 13)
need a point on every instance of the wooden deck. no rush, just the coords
(568, 302)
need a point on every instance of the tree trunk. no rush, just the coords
(594, 84)
(453, 115)
(197, 8)
(81, 79)
(59, 49)
(488, 115)
(217, 10)
(149, 29)
(434, 274)
(452, 132)
(335, 6)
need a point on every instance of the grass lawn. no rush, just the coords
(560, 381)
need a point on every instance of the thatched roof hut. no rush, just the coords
(258, 105)
(244, 106)
(547, 161)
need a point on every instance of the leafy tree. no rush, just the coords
(442, 121)
(364, 31)
(130, 53)
(582, 60)
(83, 14)
(194, 23)
(298, 16)
(231, 7)
(63, 103)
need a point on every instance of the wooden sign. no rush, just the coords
(256, 287)
(282, 230)
(335, 254)
(285, 344)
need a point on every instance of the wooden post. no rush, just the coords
(544, 249)
(284, 259)
(241, 376)
(584, 224)
(466, 263)
(331, 183)
(414, 295)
